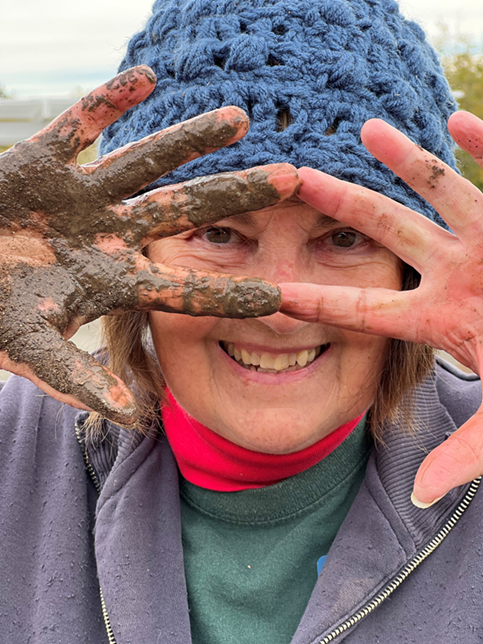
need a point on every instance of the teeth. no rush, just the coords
(255, 359)
(302, 357)
(266, 363)
(281, 362)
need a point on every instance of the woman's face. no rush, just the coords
(273, 405)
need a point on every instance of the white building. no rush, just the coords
(20, 119)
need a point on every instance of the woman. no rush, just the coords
(270, 415)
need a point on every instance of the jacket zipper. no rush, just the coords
(408, 568)
(93, 475)
(370, 606)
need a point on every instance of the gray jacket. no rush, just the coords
(74, 520)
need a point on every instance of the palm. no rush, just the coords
(72, 245)
(446, 310)
(449, 304)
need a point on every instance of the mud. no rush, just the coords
(437, 172)
(76, 204)
(204, 201)
(233, 297)
(131, 79)
(128, 79)
(91, 103)
(228, 195)
(43, 193)
(147, 160)
(38, 305)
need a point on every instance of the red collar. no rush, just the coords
(212, 462)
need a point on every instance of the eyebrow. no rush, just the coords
(324, 221)
(245, 218)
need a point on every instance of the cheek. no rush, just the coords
(362, 359)
(378, 269)
(375, 275)
(167, 251)
(178, 252)
(179, 338)
(386, 272)
(357, 345)
(182, 348)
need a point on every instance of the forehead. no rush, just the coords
(294, 205)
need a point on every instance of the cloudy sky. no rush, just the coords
(62, 47)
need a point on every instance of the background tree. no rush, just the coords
(463, 64)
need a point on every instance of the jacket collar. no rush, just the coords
(138, 535)
(138, 545)
(383, 529)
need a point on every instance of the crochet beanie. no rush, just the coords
(309, 73)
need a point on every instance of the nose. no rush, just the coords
(281, 324)
(282, 264)
(285, 270)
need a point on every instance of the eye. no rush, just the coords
(343, 243)
(219, 236)
(345, 239)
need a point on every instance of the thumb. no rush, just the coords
(57, 365)
(455, 462)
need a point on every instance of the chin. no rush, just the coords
(271, 434)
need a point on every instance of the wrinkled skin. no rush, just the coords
(71, 245)
(446, 310)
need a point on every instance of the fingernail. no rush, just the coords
(421, 504)
(284, 178)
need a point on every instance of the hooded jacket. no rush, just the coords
(91, 549)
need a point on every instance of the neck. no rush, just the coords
(210, 461)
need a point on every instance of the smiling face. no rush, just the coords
(273, 384)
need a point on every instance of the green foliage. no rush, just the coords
(89, 154)
(463, 65)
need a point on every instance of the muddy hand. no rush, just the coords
(71, 245)
(446, 310)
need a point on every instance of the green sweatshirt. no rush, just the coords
(251, 557)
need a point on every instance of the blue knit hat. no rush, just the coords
(323, 67)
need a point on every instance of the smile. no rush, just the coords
(267, 363)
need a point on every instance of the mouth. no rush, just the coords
(273, 363)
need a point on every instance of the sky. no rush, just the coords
(66, 47)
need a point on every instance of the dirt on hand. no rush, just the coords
(72, 244)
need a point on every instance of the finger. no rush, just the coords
(406, 233)
(171, 210)
(467, 131)
(454, 198)
(79, 126)
(155, 287)
(455, 462)
(62, 366)
(372, 310)
(26, 372)
(134, 166)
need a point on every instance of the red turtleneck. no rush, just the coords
(212, 462)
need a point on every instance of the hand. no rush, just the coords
(446, 310)
(71, 248)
